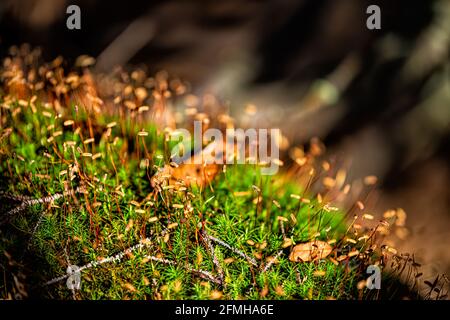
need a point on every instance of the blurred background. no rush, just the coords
(379, 99)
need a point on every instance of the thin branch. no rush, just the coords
(5, 217)
(226, 245)
(27, 201)
(20, 198)
(215, 260)
(270, 263)
(93, 264)
(201, 273)
(143, 243)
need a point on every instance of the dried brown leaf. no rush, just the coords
(310, 251)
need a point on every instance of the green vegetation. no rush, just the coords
(82, 183)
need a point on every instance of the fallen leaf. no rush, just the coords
(196, 173)
(310, 251)
(287, 243)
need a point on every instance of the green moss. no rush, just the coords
(96, 224)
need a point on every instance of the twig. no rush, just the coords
(270, 263)
(120, 255)
(5, 218)
(215, 260)
(27, 201)
(226, 245)
(94, 264)
(201, 273)
(14, 197)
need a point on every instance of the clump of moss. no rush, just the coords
(86, 180)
